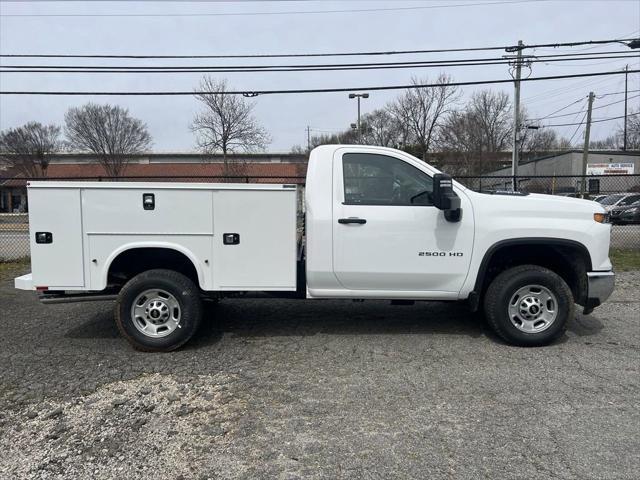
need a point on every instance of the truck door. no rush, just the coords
(387, 235)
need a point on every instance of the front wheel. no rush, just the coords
(528, 305)
(158, 310)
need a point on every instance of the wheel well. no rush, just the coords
(131, 262)
(570, 261)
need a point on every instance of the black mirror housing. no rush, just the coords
(445, 198)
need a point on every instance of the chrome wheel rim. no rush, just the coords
(533, 309)
(156, 313)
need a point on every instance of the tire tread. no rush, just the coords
(180, 281)
(493, 296)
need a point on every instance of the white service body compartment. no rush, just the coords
(265, 256)
(58, 265)
(92, 223)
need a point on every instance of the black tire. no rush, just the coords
(504, 287)
(181, 290)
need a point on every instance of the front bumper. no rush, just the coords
(600, 286)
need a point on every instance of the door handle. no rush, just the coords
(359, 221)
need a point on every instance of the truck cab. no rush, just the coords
(378, 224)
(374, 230)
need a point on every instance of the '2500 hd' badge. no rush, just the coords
(440, 254)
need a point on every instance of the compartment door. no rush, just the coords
(58, 264)
(262, 255)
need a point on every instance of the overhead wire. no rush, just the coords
(577, 128)
(283, 68)
(323, 54)
(547, 96)
(551, 115)
(597, 120)
(254, 93)
(268, 13)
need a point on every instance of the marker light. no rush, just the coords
(600, 217)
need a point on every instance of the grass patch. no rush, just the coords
(14, 268)
(625, 260)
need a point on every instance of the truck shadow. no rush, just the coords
(270, 318)
(585, 325)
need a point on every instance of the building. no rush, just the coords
(612, 171)
(175, 167)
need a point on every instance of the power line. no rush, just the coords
(598, 120)
(254, 93)
(602, 95)
(326, 54)
(578, 128)
(289, 12)
(257, 68)
(279, 68)
(559, 110)
(551, 115)
(546, 95)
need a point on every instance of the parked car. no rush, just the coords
(599, 198)
(627, 214)
(619, 200)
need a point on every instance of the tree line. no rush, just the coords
(421, 121)
(430, 121)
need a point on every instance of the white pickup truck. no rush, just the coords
(379, 224)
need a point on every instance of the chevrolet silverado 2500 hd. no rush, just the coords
(379, 224)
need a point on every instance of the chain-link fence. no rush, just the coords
(619, 194)
(622, 192)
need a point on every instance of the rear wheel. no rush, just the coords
(158, 310)
(528, 305)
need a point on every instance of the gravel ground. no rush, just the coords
(325, 389)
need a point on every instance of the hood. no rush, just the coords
(556, 206)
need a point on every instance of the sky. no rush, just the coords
(272, 27)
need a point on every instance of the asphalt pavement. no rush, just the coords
(318, 389)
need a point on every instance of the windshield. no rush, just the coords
(611, 199)
(628, 201)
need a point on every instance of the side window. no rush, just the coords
(372, 179)
(629, 200)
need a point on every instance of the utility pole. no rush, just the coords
(308, 138)
(624, 135)
(585, 151)
(515, 157)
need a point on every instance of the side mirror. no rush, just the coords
(444, 198)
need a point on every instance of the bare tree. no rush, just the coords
(421, 110)
(491, 113)
(27, 148)
(633, 131)
(564, 143)
(109, 132)
(535, 142)
(612, 142)
(482, 128)
(381, 128)
(226, 124)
